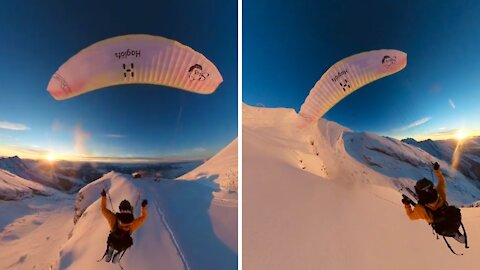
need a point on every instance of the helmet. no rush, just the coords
(125, 206)
(423, 185)
(426, 191)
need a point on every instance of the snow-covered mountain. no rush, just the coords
(13, 187)
(190, 224)
(469, 151)
(221, 169)
(325, 197)
(46, 177)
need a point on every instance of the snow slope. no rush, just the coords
(221, 173)
(325, 198)
(32, 230)
(222, 168)
(178, 234)
(13, 187)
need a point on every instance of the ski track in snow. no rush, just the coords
(172, 236)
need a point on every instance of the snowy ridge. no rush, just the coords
(324, 197)
(84, 247)
(222, 169)
(13, 187)
(16, 166)
(182, 209)
(190, 224)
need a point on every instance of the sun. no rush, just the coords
(460, 135)
(51, 157)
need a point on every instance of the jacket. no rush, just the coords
(112, 219)
(419, 211)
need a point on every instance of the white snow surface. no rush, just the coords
(32, 230)
(185, 228)
(221, 169)
(13, 187)
(325, 197)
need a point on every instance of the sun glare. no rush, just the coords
(460, 135)
(51, 157)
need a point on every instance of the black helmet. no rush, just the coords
(423, 185)
(125, 206)
(426, 191)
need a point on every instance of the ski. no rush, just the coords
(409, 193)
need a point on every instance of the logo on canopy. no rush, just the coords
(196, 73)
(387, 61)
(128, 70)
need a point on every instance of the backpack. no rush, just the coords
(446, 220)
(119, 239)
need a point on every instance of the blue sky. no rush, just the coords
(288, 45)
(130, 121)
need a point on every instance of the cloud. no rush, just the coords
(451, 103)
(199, 149)
(441, 135)
(139, 159)
(445, 133)
(115, 136)
(24, 151)
(81, 138)
(13, 126)
(413, 125)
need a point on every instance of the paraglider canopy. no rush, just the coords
(135, 59)
(346, 76)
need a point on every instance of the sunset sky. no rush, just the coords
(123, 123)
(289, 45)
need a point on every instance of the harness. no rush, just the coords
(431, 213)
(438, 224)
(115, 237)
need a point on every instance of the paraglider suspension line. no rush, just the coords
(465, 234)
(110, 199)
(450, 247)
(120, 260)
(104, 254)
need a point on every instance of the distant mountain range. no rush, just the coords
(71, 176)
(41, 173)
(469, 163)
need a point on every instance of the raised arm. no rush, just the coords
(442, 184)
(107, 213)
(141, 219)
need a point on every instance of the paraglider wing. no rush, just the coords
(347, 76)
(135, 59)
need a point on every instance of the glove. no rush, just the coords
(144, 203)
(103, 193)
(436, 166)
(406, 200)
